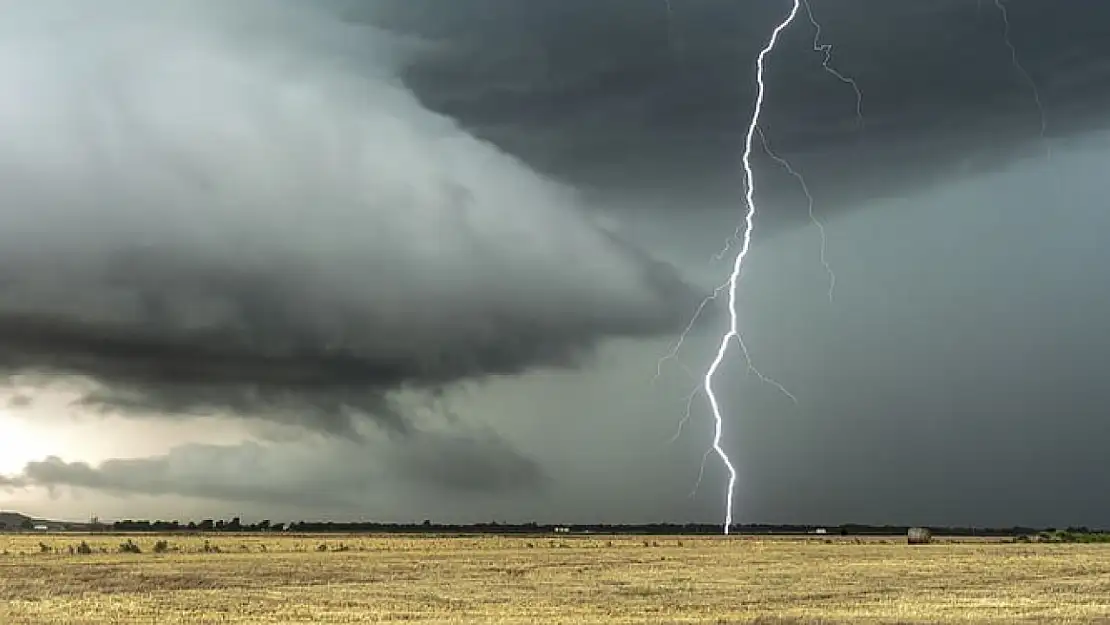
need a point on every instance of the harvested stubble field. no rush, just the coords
(425, 579)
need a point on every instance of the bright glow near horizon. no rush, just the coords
(22, 442)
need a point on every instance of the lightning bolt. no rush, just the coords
(673, 355)
(1001, 5)
(826, 49)
(809, 200)
(738, 263)
(743, 233)
(677, 347)
(826, 64)
(689, 409)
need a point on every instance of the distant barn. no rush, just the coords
(919, 536)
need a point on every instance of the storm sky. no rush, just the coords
(409, 259)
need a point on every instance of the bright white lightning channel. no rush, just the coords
(733, 332)
(826, 50)
(743, 235)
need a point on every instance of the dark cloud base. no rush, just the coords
(275, 362)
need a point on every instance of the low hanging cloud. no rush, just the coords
(20, 401)
(472, 463)
(211, 207)
(8, 482)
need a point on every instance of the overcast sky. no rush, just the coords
(404, 260)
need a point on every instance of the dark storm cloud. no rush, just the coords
(956, 378)
(471, 463)
(474, 464)
(202, 220)
(610, 95)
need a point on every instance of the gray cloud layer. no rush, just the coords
(959, 374)
(202, 219)
(957, 377)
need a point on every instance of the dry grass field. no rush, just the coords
(416, 579)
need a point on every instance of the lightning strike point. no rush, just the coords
(738, 263)
(743, 232)
(742, 236)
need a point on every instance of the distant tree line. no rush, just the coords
(236, 525)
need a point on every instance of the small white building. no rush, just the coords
(820, 530)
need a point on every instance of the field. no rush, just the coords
(268, 578)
